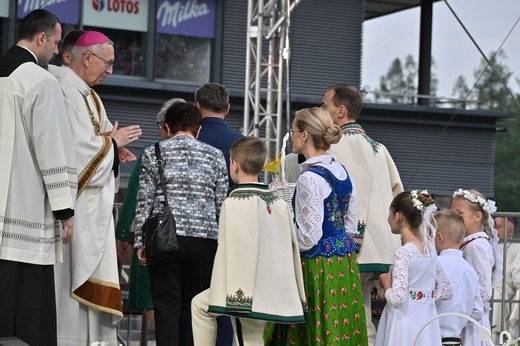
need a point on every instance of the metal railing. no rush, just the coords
(505, 302)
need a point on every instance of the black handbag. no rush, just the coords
(159, 231)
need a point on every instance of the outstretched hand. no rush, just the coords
(126, 155)
(125, 135)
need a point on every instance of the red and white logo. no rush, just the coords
(118, 6)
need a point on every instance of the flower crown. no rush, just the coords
(414, 198)
(488, 206)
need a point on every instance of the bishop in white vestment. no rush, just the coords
(89, 299)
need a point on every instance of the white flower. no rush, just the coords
(488, 206)
(414, 198)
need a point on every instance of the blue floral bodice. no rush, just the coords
(334, 241)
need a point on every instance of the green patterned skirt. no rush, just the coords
(336, 313)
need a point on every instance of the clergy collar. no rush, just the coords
(30, 51)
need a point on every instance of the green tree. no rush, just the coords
(460, 89)
(410, 75)
(392, 84)
(399, 84)
(492, 88)
(507, 167)
(492, 94)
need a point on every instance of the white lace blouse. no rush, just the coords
(311, 191)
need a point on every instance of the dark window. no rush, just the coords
(128, 47)
(182, 58)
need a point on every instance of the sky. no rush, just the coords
(488, 21)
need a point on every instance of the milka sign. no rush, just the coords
(67, 11)
(186, 17)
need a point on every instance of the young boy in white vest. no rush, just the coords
(463, 278)
(257, 274)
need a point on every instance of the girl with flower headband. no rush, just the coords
(416, 279)
(480, 249)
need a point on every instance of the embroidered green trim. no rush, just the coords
(267, 197)
(353, 129)
(238, 301)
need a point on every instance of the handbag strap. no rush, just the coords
(160, 163)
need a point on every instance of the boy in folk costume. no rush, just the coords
(257, 275)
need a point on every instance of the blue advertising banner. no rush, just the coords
(67, 11)
(186, 17)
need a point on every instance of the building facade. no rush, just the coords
(168, 48)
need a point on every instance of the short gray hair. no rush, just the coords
(166, 105)
(77, 51)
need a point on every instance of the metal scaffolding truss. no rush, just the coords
(267, 33)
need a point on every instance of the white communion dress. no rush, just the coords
(417, 281)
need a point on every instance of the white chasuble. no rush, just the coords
(90, 277)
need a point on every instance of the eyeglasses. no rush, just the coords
(160, 125)
(291, 132)
(108, 64)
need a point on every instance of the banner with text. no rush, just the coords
(116, 14)
(67, 11)
(186, 17)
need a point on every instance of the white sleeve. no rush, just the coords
(351, 219)
(396, 295)
(311, 191)
(479, 255)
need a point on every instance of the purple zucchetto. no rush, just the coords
(91, 38)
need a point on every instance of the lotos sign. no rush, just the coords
(116, 14)
(127, 6)
(67, 11)
(186, 17)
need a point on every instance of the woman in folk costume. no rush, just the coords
(480, 249)
(326, 219)
(416, 279)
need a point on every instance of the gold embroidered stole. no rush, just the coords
(88, 172)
